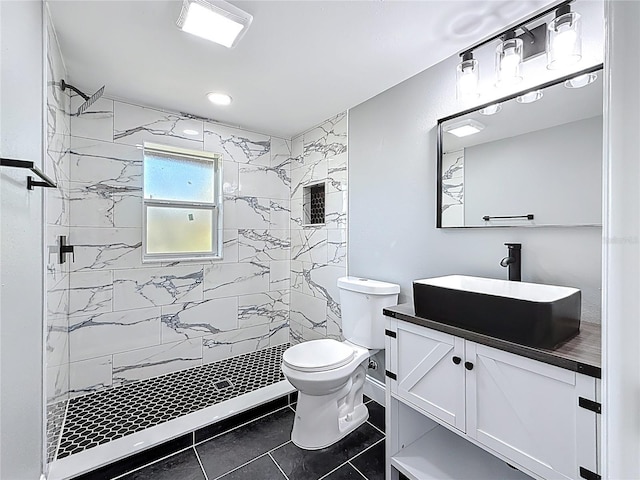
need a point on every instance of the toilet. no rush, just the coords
(329, 374)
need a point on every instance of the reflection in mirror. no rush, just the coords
(531, 159)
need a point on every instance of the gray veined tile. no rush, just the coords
(148, 287)
(90, 292)
(94, 161)
(57, 383)
(106, 248)
(310, 312)
(58, 299)
(336, 210)
(309, 245)
(102, 334)
(326, 140)
(96, 122)
(263, 245)
(278, 333)
(334, 324)
(230, 279)
(281, 150)
(91, 375)
(127, 207)
(230, 179)
(197, 319)
(337, 173)
(229, 344)
(309, 173)
(280, 214)
(247, 212)
(297, 152)
(153, 361)
(337, 246)
(261, 308)
(297, 276)
(322, 281)
(264, 181)
(57, 341)
(91, 205)
(133, 124)
(296, 333)
(280, 275)
(58, 205)
(237, 145)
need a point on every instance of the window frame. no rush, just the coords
(215, 207)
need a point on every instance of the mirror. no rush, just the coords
(530, 159)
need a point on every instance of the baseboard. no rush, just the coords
(375, 390)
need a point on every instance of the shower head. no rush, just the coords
(88, 100)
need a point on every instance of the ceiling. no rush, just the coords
(299, 63)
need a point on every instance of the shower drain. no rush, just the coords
(222, 384)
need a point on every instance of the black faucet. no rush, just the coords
(513, 261)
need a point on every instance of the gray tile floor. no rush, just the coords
(262, 449)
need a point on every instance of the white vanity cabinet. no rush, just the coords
(523, 411)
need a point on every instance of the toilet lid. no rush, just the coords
(318, 355)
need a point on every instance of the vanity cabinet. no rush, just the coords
(521, 410)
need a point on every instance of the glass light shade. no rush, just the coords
(564, 41)
(581, 80)
(467, 79)
(530, 97)
(508, 61)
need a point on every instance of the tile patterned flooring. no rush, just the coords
(110, 414)
(262, 449)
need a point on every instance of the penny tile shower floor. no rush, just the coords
(107, 415)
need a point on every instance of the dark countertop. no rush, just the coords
(581, 354)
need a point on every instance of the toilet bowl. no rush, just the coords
(329, 376)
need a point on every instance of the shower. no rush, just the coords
(88, 100)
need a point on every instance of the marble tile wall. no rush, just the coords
(130, 321)
(318, 252)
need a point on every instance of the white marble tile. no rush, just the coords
(309, 173)
(236, 342)
(296, 332)
(337, 246)
(57, 384)
(309, 245)
(229, 246)
(310, 312)
(89, 376)
(278, 333)
(263, 245)
(247, 212)
(269, 307)
(237, 145)
(334, 326)
(230, 179)
(57, 341)
(297, 276)
(90, 292)
(56, 160)
(297, 214)
(297, 149)
(280, 215)
(154, 361)
(279, 275)
(281, 150)
(96, 122)
(133, 125)
(106, 248)
(322, 281)
(230, 279)
(326, 140)
(139, 288)
(58, 299)
(58, 205)
(102, 334)
(90, 205)
(336, 210)
(337, 178)
(127, 207)
(196, 319)
(257, 180)
(94, 161)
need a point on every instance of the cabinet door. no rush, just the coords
(427, 375)
(527, 411)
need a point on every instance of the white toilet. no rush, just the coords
(329, 375)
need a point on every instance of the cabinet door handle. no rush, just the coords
(468, 365)
(456, 360)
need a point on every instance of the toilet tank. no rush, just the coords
(361, 304)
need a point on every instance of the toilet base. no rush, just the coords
(322, 420)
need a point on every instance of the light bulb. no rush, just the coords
(564, 42)
(508, 60)
(467, 77)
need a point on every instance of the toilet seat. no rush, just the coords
(318, 355)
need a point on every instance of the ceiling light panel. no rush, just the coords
(217, 21)
(464, 128)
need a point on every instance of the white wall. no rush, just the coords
(621, 313)
(21, 235)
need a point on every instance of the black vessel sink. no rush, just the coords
(530, 314)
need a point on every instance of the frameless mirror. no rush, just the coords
(531, 159)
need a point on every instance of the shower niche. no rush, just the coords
(313, 204)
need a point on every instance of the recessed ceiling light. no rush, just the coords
(218, 21)
(491, 109)
(581, 80)
(218, 98)
(188, 131)
(530, 97)
(464, 128)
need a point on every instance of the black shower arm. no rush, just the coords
(64, 85)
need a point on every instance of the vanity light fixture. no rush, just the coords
(464, 128)
(216, 20)
(564, 40)
(508, 60)
(218, 98)
(491, 109)
(581, 80)
(530, 97)
(467, 77)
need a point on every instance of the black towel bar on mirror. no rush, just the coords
(486, 218)
(48, 183)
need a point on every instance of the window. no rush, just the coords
(182, 204)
